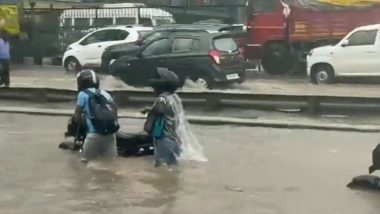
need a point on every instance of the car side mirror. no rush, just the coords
(83, 43)
(344, 43)
(140, 55)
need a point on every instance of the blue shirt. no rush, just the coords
(82, 101)
(4, 50)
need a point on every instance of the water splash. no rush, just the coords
(191, 148)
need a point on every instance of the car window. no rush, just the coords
(358, 38)
(181, 45)
(147, 22)
(116, 35)
(151, 37)
(82, 22)
(99, 36)
(158, 47)
(125, 21)
(101, 22)
(226, 44)
(163, 21)
(196, 45)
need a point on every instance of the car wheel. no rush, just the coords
(205, 82)
(72, 65)
(323, 74)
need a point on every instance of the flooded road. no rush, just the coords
(250, 170)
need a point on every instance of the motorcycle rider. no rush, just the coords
(163, 118)
(97, 142)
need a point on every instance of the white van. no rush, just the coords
(92, 18)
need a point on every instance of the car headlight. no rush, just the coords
(69, 48)
(310, 53)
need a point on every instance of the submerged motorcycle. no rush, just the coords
(128, 144)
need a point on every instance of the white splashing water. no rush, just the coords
(191, 148)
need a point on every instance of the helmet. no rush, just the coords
(87, 79)
(165, 81)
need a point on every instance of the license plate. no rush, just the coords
(232, 76)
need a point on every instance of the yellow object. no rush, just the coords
(349, 3)
(9, 19)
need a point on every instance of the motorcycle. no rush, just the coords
(128, 144)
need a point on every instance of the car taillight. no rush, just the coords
(214, 54)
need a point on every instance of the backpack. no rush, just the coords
(103, 115)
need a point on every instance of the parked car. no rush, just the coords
(87, 51)
(357, 54)
(129, 49)
(205, 57)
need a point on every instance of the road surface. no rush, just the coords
(250, 170)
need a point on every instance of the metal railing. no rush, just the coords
(207, 99)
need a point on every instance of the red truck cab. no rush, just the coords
(281, 34)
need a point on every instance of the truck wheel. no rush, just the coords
(277, 59)
(323, 74)
(72, 65)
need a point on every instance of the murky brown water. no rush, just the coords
(250, 170)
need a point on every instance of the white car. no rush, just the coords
(88, 50)
(358, 54)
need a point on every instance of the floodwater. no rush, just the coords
(249, 170)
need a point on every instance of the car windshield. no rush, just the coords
(225, 44)
(163, 21)
(151, 36)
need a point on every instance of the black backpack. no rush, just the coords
(103, 114)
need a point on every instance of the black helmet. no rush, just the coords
(165, 81)
(87, 79)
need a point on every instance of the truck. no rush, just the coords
(282, 32)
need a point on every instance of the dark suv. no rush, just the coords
(207, 57)
(116, 51)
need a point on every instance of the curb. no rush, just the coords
(205, 120)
